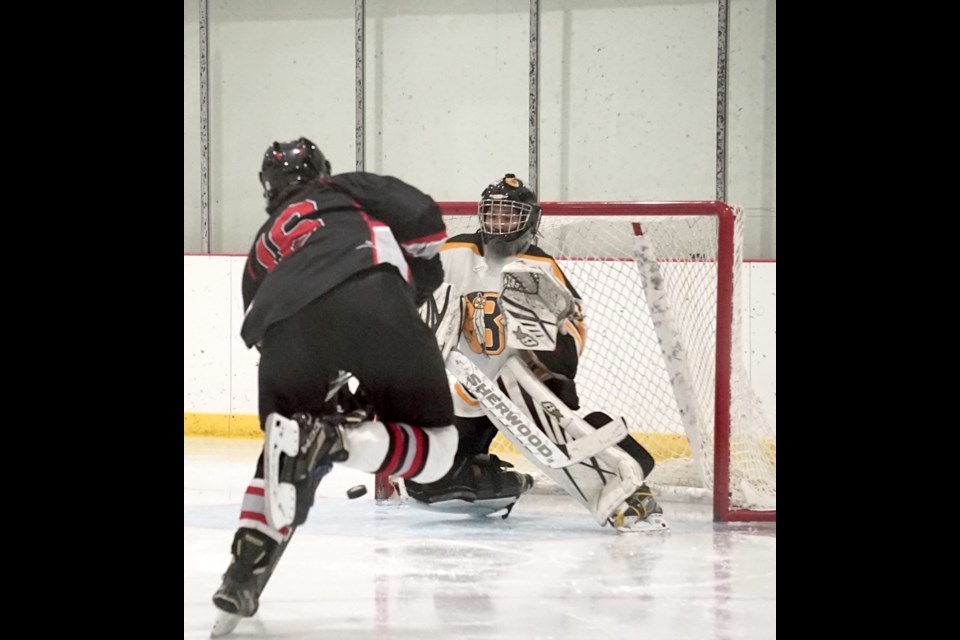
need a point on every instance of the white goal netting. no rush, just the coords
(654, 278)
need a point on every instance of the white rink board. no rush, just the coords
(220, 376)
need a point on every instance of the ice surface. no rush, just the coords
(358, 570)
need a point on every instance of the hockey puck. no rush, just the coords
(356, 492)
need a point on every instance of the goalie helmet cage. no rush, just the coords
(660, 283)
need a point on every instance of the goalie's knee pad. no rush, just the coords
(480, 485)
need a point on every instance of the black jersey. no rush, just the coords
(327, 231)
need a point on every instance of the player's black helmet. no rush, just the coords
(509, 215)
(288, 164)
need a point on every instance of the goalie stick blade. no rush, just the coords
(224, 624)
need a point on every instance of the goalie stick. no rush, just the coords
(508, 417)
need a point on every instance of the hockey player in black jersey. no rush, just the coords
(331, 285)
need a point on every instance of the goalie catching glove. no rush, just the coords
(535, 305)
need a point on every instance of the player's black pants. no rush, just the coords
(370, 327)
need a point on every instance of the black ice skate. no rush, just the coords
(298, 452)
(640, 513)
(478, 486)
(253, 553)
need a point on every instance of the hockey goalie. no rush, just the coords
(511, 329)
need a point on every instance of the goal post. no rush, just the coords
(660, 283)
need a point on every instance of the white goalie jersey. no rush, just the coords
(483, 336)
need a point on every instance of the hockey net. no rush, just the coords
(660, 284)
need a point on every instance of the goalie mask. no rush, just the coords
(288, 164)
(509, 216)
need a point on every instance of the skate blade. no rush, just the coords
(224, 624)
(654, 523)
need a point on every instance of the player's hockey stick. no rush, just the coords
(509, 418)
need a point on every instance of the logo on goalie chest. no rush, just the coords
(484, 324)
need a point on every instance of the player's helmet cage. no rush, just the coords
(508, 212)
(286, 164)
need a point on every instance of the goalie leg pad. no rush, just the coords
(583, 460)
(601, 483)
(636, 450)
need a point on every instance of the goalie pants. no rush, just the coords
(369, 326)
